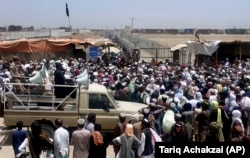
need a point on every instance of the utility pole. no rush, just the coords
(132, 24)
(132, 28)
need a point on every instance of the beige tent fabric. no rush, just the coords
(111, 49)
(33, 49)
(36, 49)
(102, 42)
(34, 46)
(178, 46)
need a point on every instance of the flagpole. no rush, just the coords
(70, 28)
(69, 24)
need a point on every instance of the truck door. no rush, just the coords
(106, 114)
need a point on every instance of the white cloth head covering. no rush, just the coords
(236, 117)
(198, 97)
(134, 117)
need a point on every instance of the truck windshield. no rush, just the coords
(112, 98)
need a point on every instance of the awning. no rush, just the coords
(177, 47)
(102, 42)
(205, 48)
(38, 45)
(111, 50)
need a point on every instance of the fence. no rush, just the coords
(151, 49)
(160, 54)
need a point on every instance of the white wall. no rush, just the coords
(34, 34)
(24, 34)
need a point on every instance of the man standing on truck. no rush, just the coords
(61, 140)
(59, 79)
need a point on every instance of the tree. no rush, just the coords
(15, 28)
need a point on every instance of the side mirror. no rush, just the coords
(106, 107)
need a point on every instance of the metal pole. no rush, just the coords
(70, 29)
(132, 24)
(69, 24)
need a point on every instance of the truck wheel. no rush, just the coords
(48, 130)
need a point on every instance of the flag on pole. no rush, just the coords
(67, 10)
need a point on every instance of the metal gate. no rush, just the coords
(160, 54)
(182, 56)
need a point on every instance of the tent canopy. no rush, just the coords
(35, 49)
(35, 46)
(102, 42)
(49, 45)
(111, 50)
(205, 48)
(177, 47)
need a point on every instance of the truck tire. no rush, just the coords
(48, 130)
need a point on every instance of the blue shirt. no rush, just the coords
(17, 138)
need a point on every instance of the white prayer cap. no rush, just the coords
(242, 92)
(80, 121)
(124, 83)
(135, 117)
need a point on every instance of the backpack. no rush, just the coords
(98, 138)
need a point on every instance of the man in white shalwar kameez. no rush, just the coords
(61, 140)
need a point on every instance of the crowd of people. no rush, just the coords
(88, 140)
(185, 103)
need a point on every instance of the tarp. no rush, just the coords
(36, 49)
(36, 46)
(111, 50)
(102, 42)
(205, 48)
(177, 47)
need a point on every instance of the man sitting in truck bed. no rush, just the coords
(16, 73)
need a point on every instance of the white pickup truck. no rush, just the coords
(45, 108)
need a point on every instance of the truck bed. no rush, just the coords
(42, 102)
(44, 99)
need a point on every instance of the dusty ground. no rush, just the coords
(88, 35)
(172, 40)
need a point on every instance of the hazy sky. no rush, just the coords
(109, 14)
